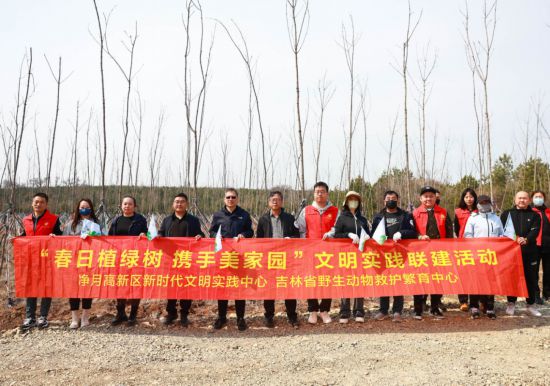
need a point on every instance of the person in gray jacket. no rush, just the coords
(485, 223)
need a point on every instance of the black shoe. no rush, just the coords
(220, 323)
(442, 307)
(119, 319)
(269, 323)
(436, 313)
(539, 300)
(241, 324)
(184, 322)
(131, 321)
(169, 319)
(475, 313)
(491, 315)
(42, 322)
(294, 323)
(28, 324)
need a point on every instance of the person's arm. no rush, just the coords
(301, 223)
(457, 226)
(498, 224)
(294, 232)
(214, 225)
(199, 229)
(534, 231)
(163, 226)
(247, 227)
(448, 227)
(57, 228)
(469, 228)
(339, 229)
(143, 225)
(504, 217)
(375, 221)
(408, 231)
(260, 231)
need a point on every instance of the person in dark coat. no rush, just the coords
(399, 225)
(349, 224)
(130, 223)
(278, 224)
(543, 245)
(233, 221)
(526, 224)
(180, 224)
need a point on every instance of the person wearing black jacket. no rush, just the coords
(399, 225)
(180, 224)
(130, 223)
(543, 245)
(526, 226)
(277, 224)
(349, 224)
(233, 222)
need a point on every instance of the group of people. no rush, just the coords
(474, 217)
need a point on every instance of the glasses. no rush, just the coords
(230, 197)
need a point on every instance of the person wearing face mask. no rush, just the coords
(543, 245)
(466, 206)
(431, 222)
(84, 211)
(526, 226)
(483, 223)
(130, 223)
(399, 225)
(349, 225)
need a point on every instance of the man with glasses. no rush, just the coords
(180, 224)
(234, 222)
(316, 221)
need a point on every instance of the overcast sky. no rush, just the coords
(518, 75)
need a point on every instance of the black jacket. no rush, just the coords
(407, 228)
(265, 230)
(138, 226)
(348, 223)
(232, 224)
(526, 224)
(193, 226)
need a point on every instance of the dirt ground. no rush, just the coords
(456, 350)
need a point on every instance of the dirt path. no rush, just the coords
(456, 350)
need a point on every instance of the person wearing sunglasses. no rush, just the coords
(233, 221)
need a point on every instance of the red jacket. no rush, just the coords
(318, 224)
(547, 213)
(44, 226)
(462, 216)
(420, 216)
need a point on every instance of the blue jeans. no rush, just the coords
(30, 308)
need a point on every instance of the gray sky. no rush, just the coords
(62, 28)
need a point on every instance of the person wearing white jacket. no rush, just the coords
(485, 223)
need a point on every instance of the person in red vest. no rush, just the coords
(316, 221)
(39, 223)
(431, 222)
(543, 245)
(466, 206)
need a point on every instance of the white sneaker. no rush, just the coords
(343, 320)
(85, 321)
(326, 317)
(531, 310)
(312, 318)
(359, 319)
(511, 309)
(74, 325)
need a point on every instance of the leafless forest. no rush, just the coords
(97, 168)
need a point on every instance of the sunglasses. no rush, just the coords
(230, 197)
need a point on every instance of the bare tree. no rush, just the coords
(138, 132)
(128, 76)
(297, 19)
(103, 155)
(479, 57)
(75, 148)
(325, 92)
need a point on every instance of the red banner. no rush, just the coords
(183, 268)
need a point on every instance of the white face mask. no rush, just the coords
(538, 201)
(353, 204)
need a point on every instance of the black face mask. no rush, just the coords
(392, 204)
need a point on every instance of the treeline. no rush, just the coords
(507, 179)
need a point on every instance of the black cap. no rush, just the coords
(426, 189)
(484, 198)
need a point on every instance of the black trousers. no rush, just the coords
(185, 306)
(543, 257)
(313, 305)
(463, 299)
(74, 303)
(240, 306)
(121, 307)
(290, 304)
(488, 300)
(419, 302)
(531, 277)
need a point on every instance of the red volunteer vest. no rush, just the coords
(547, 213)
(420, 215)
(462, 216)
(316, 224)
(44, 226)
